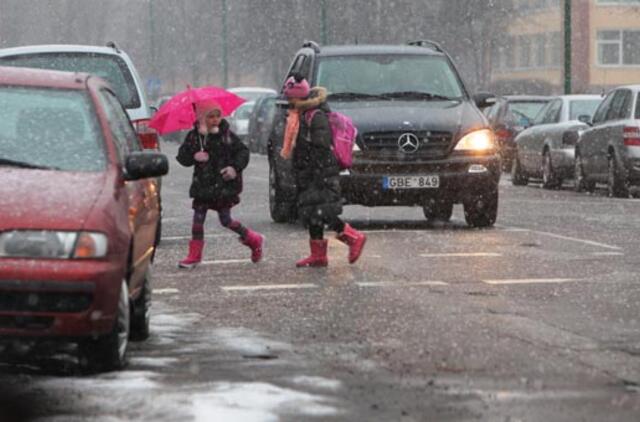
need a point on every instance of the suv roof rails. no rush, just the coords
(112, 44)
(427, 43)
(311, 44)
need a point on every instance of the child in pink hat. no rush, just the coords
(218, 158)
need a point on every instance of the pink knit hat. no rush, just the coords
(293, 89)
(203, 108)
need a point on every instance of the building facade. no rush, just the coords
(605, 46)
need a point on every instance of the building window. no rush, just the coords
(621, 2)
(617, 48)
(609, 47)
(525, 52)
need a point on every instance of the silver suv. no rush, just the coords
(110, 63)
(609, 150)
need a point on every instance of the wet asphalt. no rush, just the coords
(536, 319)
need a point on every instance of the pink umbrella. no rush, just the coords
(178, 112)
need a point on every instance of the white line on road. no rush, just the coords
(607, 253)
(226, 261)
(165, 291)
(209, 236)
(399, 283)
(531, 281)
(573, 239)
(460, 254)
(269, 287)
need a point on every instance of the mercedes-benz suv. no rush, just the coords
(422, 140)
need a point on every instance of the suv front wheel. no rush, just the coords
(481, 210)
(281, 211)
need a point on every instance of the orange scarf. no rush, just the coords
(290, 133)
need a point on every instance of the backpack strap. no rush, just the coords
(308, 117)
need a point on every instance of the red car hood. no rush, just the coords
(39, 199)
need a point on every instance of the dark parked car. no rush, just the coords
(80, 215)
(422, 140)
(609, 150)
(546, 150)
(261, 123)
(509, 116)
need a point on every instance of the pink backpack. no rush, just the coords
(343, 134)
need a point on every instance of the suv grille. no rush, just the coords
(431, 144)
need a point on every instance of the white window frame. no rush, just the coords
(619, 42)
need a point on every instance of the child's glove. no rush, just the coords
(228, 173)
(201, 156)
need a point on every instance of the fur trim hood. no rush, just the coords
(317, 97)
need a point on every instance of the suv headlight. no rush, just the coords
(52, 244)
(479, 140)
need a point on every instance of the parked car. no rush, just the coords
(80, 214)
(252, 93)
(422, 140)
(509, 116)
(546, 150)
(261, 123)
(110, 63)
(608, 151)
(239, 120)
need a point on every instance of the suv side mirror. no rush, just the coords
(281, 103)
(142, 165)
(585, 118)
(570, 137)
(153, 109)
(484, 99)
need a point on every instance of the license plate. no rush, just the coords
(411, 182)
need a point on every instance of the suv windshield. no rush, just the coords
(109, 67)
(46, 128)
(373, 75)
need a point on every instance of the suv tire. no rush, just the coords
(482, 210)
(518, 177)
(109, 352)
(438, 211)
(281, 211)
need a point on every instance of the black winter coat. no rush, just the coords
(317, 170)
(225, 149)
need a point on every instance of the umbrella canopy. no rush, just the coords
(178, 113)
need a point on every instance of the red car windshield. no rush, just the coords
(49, 128)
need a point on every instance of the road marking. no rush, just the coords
(531, 281)
(269, 287)
(460, 254)
(209, 236)
(165, 291)
(226, 261)
(607, 253)
(400, 284)
(573, 239)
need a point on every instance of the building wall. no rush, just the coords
(605, 46)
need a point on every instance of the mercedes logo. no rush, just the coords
(408, 143)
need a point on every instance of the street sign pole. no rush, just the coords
(225, 63)
(324, 22)
(567, 46)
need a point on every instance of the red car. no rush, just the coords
(78, 216)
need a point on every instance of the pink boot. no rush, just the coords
(195, 254)
(254, 241)
(355, 240)
(318, 257)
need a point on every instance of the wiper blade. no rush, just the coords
(355, 95)
(25, 165)
(419, 95)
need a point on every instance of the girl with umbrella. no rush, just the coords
(218, 157)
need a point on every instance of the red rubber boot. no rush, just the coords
(195, 254)
(355, 240)
(318, 257)
(254, 241)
